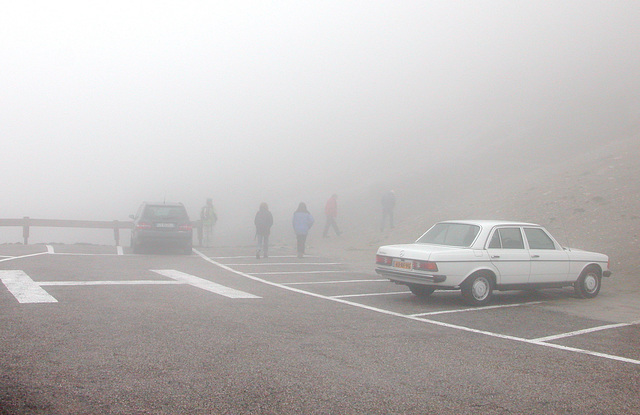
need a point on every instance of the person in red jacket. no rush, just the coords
(331, 211)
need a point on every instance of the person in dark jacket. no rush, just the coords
(388, 203)
(302, 222)
(263, 222)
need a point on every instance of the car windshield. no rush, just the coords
(165, 213)
(451, 234)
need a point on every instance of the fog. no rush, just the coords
(106, 105)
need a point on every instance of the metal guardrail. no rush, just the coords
(26, 223)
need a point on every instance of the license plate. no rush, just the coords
(165, 225)
(403, 264)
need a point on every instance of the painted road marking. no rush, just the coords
(258, 264)
(114, 282)
(370, 295)
(294, 272)
(254, 257)
(22, 256)
(490, 307)
(119, 250)
(578, 332)
(420, 319)
(327, 282)
(26, 290)
(204, 284)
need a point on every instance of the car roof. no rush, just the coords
(163, 204)
(490, 222)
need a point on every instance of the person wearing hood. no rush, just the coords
(263, 222)
(302, 222)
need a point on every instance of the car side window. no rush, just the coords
(538, 239)
(495, 241)
(511, 238)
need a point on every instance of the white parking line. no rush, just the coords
(50, 249)
(370, 294)
(424, 320)
(114, 282)
(204, 284)
(490, 307)
(326, 282)
(26, 290)
(119, 250)
(578, 332)
(22, 256)
(293, 272)
(259, 264)
(254, 257)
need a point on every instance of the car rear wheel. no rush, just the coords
(477, 289)
(588, 284)
(135, 247)
(421, 290)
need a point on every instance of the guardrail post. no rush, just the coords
(116, 232)
(25, 230)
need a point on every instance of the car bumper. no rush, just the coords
(153, 238)
(411, 277)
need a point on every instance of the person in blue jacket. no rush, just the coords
(302, 222)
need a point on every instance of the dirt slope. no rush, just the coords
(588, 197)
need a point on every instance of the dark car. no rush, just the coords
(157, 225)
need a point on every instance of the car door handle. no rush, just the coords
(495, 256)
(535, 256)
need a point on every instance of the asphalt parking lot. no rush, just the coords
(94, 329)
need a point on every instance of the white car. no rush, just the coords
(480, 256)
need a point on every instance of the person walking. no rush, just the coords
(208, 218)
(388, 203)
(302, 222)
(263, 222)
(331, 211)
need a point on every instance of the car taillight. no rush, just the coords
(383, 260)
(185, 227)
(143, 225)
(425, 266)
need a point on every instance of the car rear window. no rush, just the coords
(165, 213)
(451, 234)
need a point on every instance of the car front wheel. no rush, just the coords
(588, 284)
(478, 289)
